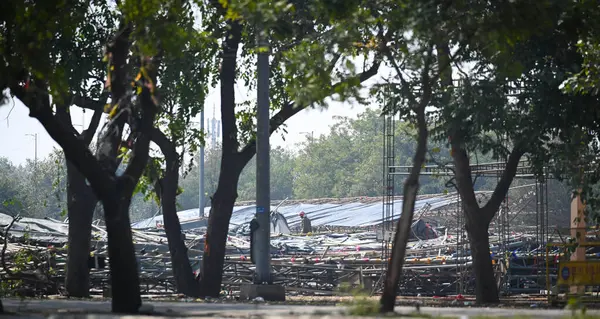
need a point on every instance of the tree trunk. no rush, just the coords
(125, 284)
(182, 270)
(411, 189)
(215, 242)
(486, 290)
(81, 203)
(394, 271)
(232, 163)
(479, 218)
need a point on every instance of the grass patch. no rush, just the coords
(364, 305)
(361, 304)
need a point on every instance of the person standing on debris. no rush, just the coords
(306, 226)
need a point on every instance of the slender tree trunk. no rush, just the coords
(216, 239)
(486, 290)
(125, 284)
(182, 270)
(411, 189)
(81, 202)
(394, 271)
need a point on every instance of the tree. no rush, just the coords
(299, 82)
(84, 71)
(509, 104)
(185, 77)
(577, 148)
(347, 161)
(410, 97)
(34, 74)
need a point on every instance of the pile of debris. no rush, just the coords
(343, 248)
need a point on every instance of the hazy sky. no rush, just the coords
(18, 146)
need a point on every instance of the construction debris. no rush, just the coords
(346, 249)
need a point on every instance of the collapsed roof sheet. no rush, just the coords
(344, 215)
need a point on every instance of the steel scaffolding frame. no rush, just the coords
(507, 280)
(389, 155)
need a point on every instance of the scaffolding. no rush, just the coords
(518, 270)
(389, 155)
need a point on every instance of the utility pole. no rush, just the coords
(35, 145)
(312, 135)
(34, 160)
(261, 247)
(263, 187)
(201, 166)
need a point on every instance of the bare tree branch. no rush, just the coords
(117, 83)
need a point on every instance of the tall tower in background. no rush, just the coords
(213, 128)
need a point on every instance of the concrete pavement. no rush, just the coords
(36, 308)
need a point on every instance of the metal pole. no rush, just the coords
(35, 143)
(263, 189)
(312, 135)
(201, 173)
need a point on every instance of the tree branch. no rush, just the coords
(491, 207)
(463, 175)
(75, 151)
(90, 104)
(290, 109)
(64, 117)
(227, 77)
(118, 52)
(166, 146)
(88, 134)
(149, 107)
(87, 103)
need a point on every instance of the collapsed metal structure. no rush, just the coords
(321, 263)
(339, 253)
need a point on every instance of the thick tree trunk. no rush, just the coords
(182, 270)
(81, 202)
(479, 218)
(486, 290)
(232, 163)
(125, 284)
(216, 239)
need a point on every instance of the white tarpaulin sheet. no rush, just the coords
(345, 215)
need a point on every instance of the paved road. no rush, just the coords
(82, 309)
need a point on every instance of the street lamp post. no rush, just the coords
(201, 195)
(35, 145)
(34, 160)
(201, 172)
(263, 187)
(263, 282)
